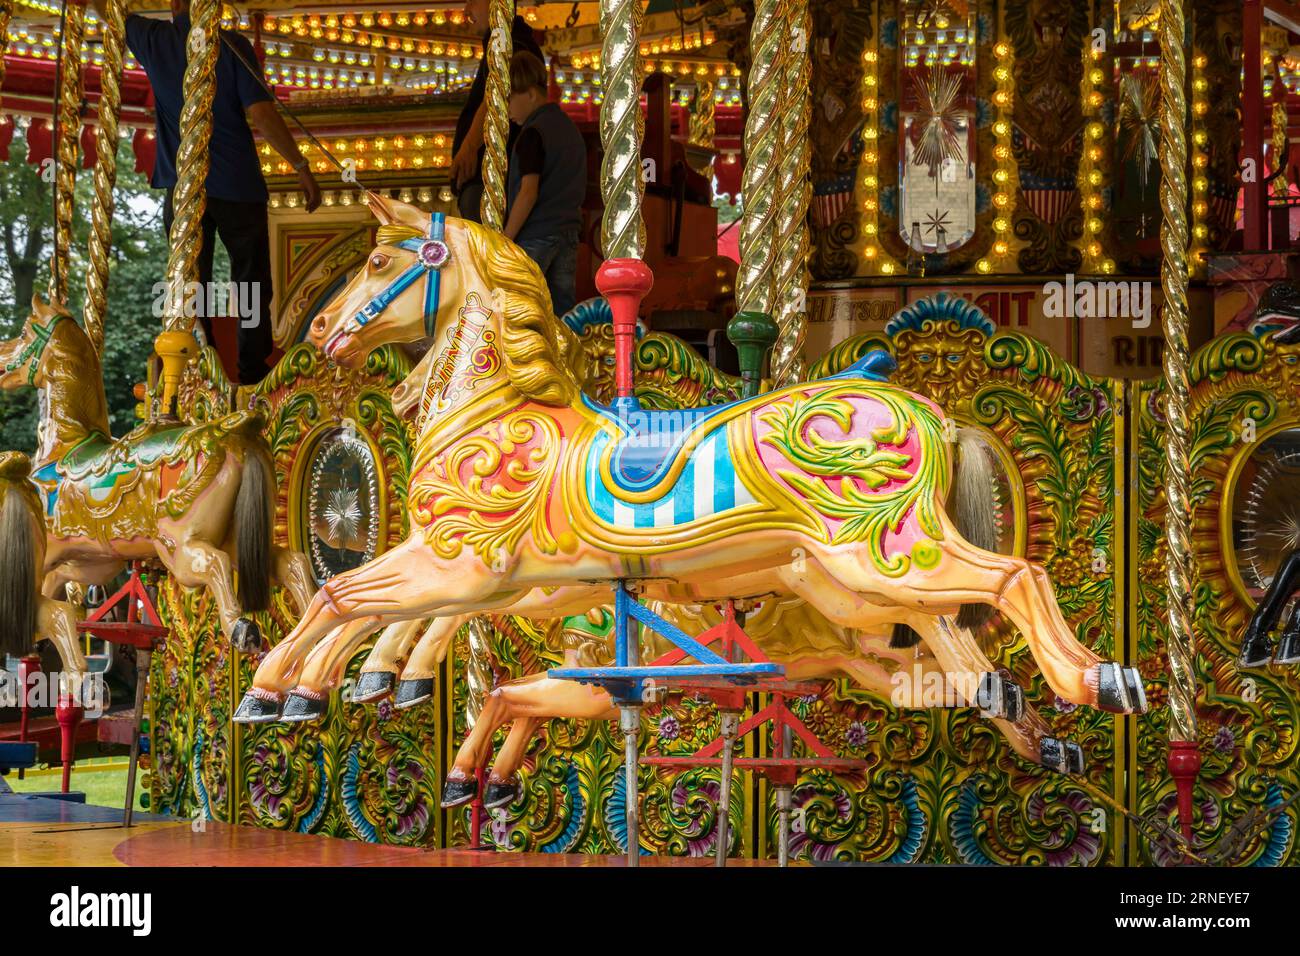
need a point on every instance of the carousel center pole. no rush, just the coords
(113, 29)
(1184, 759)
(176, 344)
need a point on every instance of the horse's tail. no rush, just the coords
(253, 531)
(18, 557)
(971, 507)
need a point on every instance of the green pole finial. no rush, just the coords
(753, 334)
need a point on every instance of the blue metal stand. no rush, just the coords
(627, 682)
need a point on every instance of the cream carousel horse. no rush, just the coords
(196, 497)
(526, 498)
(26, 615)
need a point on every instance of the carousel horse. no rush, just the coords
(26, 615)
(526, 498)
(196, 497)
(1256, 646)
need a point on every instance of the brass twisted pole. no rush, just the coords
(496, 122)
(66, 144)
(478, 670)
(1184, 756)
(101, 224)
(795, 191)
(189, 198)
(763, 135)
(621, 126)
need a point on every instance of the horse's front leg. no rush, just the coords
(410, 581)
(379, 670)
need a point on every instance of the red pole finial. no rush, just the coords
(68, 713)
(624, 282)
(1184, 763)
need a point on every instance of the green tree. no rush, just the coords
(139, 259)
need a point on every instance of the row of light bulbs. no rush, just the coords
(351, 197)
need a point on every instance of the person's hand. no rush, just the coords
(463, 165)
(310, 188)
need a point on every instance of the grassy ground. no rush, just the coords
(101, 779)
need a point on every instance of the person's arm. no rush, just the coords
(523, 205)
(266, 118)
(465, 163)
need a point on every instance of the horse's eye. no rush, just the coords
(378, 261)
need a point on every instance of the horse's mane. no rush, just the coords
(543, 357)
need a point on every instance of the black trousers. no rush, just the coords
(245, 233)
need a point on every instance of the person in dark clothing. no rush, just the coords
(467, 146)
(547, 181)
(236, 191)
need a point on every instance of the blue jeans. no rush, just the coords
(557, 257)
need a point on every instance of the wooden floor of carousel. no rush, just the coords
(39, 831)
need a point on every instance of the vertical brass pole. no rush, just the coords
(790, 296)
(496, 121)
(6, 11)
(622, 126)
(1184, 758)
(101, 223)
(189, 199)
(66, 145)
(756, 281)
(703, 120)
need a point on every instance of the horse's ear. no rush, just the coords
(391, 212)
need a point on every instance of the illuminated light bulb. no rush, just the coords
(887, 268)
(983, 266)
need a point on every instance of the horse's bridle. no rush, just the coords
(431, 254)
(32, 351)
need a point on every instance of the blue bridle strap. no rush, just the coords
(422, 268)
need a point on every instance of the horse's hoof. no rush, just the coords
(1000, 696)
(1119, 689)
(1063, 756)
(457, 792)
(499, 793)
(411, 692)
(258, 708)
(300, 707)
(1256, 650)
(245, 636)
(372, 686)
(1288, 648)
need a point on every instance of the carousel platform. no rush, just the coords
(41, 831)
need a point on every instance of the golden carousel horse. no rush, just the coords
(198, 498)
(527, 498)
(27, 616)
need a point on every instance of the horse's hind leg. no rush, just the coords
(57, 621)
(195, 563)
(292, 570)
(536, 697)
(416, 684)
(1023, 592)
(323, 670)
(379, 670)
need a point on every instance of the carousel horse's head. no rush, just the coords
(416, 283)
(50, 343)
